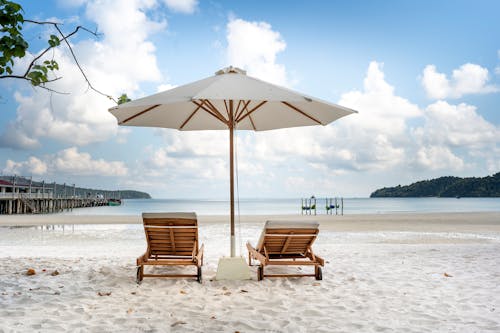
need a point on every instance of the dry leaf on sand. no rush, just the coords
(108, 293)
(179, 322)
(447, 275)
(30, 272)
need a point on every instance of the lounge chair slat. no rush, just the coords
(288, 275)
(169, 225)
(161, 241)
(289, 235)
(170, 275)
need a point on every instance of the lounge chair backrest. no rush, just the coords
(281, 237)
(171, 233)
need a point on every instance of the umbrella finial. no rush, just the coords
(231, 69)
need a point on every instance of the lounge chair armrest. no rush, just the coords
(320, 260)
(142, 259)
(199, 256)
(315, 258)
(255, 254)
(195, 250)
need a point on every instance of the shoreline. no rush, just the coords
(424, 222)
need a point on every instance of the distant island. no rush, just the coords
(445, 187)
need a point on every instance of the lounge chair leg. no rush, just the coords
(249, 259)
(140, 273)
(260, 273)
(318, 272)
(199, 277)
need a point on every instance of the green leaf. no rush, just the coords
(123, 99)
(54, 41)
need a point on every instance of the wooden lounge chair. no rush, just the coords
(286, 243)
(172, 241)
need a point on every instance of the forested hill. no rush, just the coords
(130, 194)
(445, 187)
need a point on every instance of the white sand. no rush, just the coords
(385, 273)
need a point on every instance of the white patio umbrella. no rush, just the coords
(228, 100)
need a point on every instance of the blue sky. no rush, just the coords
(424, 76)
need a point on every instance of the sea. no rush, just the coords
(293, 206)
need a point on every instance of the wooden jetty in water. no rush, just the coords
(308, 206)
(29, 199)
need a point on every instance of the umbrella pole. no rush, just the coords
(231, 178)
(232, 268)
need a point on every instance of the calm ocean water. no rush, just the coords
(292, 206)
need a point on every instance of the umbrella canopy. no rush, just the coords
(228, 100)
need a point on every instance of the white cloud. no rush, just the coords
(182, 6)
(468, 79)
(165, 87)
(254, 46)
(111, 64)
(33, 166)
(435, 84)
(182, 167)
(71, 161)
(438, 158)
(492, 163)
(68, 161)
(454, 137)
(456, 126)
(374, 139)
(196, 144)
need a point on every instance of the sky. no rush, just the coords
(423, 75)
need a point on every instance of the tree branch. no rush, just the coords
(64, 38)
(21, 77)
(51, 47)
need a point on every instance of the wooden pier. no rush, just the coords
(23, 203)
(22, 196)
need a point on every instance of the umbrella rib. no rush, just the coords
(190, 116)
(227, 109)
(139, 114)
(237, 108)
(210, 112)
(214, 109)
(251, 111)
(251, 122)
(245, 106)
(301, 112)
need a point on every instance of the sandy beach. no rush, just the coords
(384, 273)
